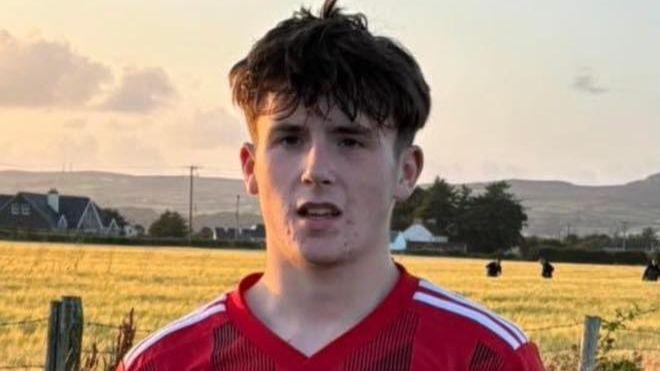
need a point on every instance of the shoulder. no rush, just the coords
(469, 328)
(170, 339)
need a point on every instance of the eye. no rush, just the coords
(290, 140)
(350, 143)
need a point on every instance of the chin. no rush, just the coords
(324, 255)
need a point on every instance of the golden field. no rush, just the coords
(163, 284)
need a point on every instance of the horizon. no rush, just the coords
(550, 91)
(212, 176)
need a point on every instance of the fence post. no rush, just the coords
(51, 350)
(65, 329)
(589, 349)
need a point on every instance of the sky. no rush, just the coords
(555, 90)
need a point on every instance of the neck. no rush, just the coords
(309, 306)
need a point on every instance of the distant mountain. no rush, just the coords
(553, 206)
(142, 198)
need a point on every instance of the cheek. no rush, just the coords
(372, 195)
(275, 181)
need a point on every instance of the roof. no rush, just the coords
(72, 207)
(40, 203)
(4, 199)
(418, 233)
(106, 218)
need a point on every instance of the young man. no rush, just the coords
(332, 112)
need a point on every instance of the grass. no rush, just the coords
(163, 284)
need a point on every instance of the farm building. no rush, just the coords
(419, 238)
(53, 212)
(417, 233)
(256, 232)
(397, 241)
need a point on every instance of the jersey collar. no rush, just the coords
(287, 356)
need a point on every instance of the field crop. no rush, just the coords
(163, 284)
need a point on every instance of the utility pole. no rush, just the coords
(624, 229)
(190, 206)
(238, 223)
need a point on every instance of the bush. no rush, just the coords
(587, 256)
(25, 235)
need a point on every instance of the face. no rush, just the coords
(326, 185)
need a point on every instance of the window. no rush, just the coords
(14, 209)
(25, 209)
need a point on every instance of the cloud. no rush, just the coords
(45, 73)
(141, 91)
(75, 124)
(216, 128)
(586, 82)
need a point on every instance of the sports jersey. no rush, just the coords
(417, 327)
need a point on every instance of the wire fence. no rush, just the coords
(93, 324)
(87, 351)
(638, 331)
(552, 327)
(621, 345)
(105, 325)
(25, 322)
(21, 367)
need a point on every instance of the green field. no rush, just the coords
(165, 283)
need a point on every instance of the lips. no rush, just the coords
(319, 210)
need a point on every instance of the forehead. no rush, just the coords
(325, 114)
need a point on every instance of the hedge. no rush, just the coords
(590, 256)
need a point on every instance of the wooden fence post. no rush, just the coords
(51, 350)
(589, 349)
(65, 329)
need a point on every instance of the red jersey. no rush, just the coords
(417, 327)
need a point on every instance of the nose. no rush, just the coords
(318, 167)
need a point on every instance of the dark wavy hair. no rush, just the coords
(306, 58)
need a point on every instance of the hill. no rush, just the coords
(553, 207)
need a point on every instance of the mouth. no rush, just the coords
(319, 210)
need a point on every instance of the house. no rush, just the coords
(53, 212)
(417, 233)
(397, 241)
(420, 239)
(222, 233)
(256, 232)
(131, 231)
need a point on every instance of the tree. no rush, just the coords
(114, 213)
(648, 238)
(205, 233)
(139, 229)
(439, 207)
(169, 224)
(493, 220)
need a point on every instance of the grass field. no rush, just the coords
(165, 283)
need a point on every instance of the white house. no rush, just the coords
(419, 234)
(130, 231)
(397, 241)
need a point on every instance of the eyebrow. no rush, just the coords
(286, 128)
(352, 130)
(289, 128)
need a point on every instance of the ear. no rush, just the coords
(247, 164)
(410, 166)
